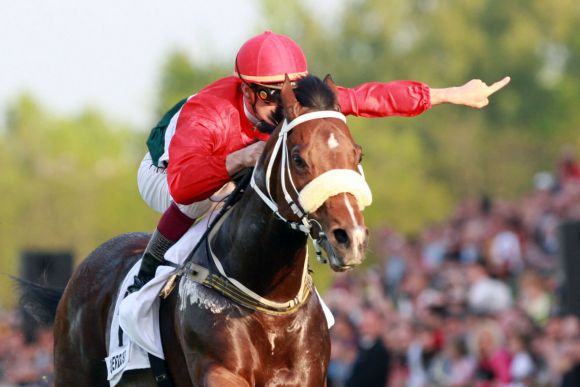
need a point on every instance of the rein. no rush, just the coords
(310, 198)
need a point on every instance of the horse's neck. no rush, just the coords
(260, 251)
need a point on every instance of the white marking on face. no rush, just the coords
(332, 143)
(358, 233)
(350, 210)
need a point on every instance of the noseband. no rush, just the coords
(317, 191)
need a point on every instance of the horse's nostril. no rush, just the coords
(341, 236)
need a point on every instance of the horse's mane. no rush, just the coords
(313, 93)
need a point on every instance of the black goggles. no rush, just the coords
(266, 94)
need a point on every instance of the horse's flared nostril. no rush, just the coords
(341, 236)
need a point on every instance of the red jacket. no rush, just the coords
(212, 124)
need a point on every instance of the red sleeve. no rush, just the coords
(376, 99)
(197, 155)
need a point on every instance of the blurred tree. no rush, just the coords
(181, 78)
(69, 184)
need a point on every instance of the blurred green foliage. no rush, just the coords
(70, 182)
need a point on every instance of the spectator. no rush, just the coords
(505, 252)
(534, 299)
(371, 367)
(487, 295)
(457, 366)
(494, 360)
(568, 166)
(421, 357)
(343, 351)
(522, 368)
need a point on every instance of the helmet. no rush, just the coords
(268, 57)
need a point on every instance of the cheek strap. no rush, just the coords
(332, 183)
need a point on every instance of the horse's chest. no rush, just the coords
(267, 350)
(279, 354)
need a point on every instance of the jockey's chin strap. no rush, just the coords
(316, 192)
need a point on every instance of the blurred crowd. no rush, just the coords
(474, 301)
(25, 354)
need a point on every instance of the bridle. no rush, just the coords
(341, 181)
(309, 199)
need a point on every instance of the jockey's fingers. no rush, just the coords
(498, 85)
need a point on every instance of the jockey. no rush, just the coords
(205, 139)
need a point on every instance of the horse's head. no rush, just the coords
(312, 173)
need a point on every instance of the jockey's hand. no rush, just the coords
(474, 93)
(244, 158)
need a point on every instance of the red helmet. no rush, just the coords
(268, 57)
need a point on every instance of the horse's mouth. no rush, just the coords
(339, 267)
(342, 259)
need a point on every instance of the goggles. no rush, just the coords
(266, 94)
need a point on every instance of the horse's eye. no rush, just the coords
(298, 161)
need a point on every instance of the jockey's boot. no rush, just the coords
(153, 256)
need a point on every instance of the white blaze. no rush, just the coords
(358, 233)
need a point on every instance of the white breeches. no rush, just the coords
(153, 187)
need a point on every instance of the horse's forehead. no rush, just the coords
(329, 133)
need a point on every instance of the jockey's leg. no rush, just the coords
(170, 229)
(175, 221)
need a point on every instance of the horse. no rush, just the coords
(263, 324)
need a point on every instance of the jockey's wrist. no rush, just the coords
(445, 95)
(234, 163)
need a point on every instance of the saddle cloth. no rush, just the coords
(138, 313)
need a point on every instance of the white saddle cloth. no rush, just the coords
(138, 313)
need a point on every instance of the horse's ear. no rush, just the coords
(332, 86)
(289, 102)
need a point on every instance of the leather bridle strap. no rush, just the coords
(280, 145)
(349, 181)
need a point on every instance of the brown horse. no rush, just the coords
(218, 333)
